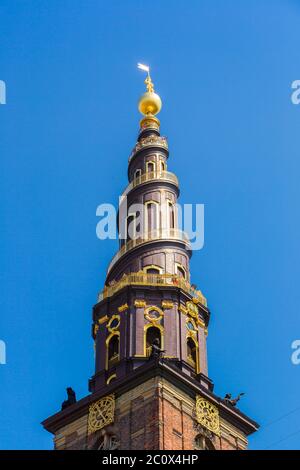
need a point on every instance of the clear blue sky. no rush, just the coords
(224, 71)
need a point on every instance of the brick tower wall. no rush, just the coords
(155, 415)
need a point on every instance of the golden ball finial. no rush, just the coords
(150, 102)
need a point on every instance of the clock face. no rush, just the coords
(101, 413)
(207, 415)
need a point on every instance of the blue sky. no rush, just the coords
(224, 71)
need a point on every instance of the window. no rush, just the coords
(113, 349)
(106, 442)
(152, 334)
(171, 215)
(203, 443)
(192, 353)
(190, 326)
(137, 174)
(152, 214)
(162, 166)
(150, 167)
(113, 323)
(152, 270)
(153, 314)
(181, 271)
(131, 227)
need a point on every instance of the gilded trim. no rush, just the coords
(114, 317)
(183, 309)
(192, 309)
(152, 266)
(168, 304)
(153, 320)
(110, 378)
(122, 308)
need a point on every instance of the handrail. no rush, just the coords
(150, 141)
(142, 278)
(150, 176)
(160, 234)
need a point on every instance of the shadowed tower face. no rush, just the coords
(150, 389)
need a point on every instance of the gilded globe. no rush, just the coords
(150, 103)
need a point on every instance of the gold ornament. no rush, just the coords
(122, 308)
(101, 413)
(150, 102)
(192, 309)
(153, 314)
(183, 309)
(140, 303)
(113, 323)
(207, 415)
(167, 304)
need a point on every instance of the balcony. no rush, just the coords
(152, 176)
(144, 279)
(161, 234)
(150, 141)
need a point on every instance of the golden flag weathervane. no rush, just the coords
(148, 81)
(150, 102)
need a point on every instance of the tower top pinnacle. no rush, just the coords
(150, 102)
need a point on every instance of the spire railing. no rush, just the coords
(155, 235)
(152, 176)
(150, 141)
(144, 279)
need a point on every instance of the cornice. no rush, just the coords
(140, 375)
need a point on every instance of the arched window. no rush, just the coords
(113, 349)
(162, 166)
(192, 353)
(152, 269)
(106, 441)
(153, 333)
(152, 216)
(181, 272)
(131, 227)
(137, 175)
(150, 167)
(171, 215)
(203, 443)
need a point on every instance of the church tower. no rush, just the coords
(150, 389)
